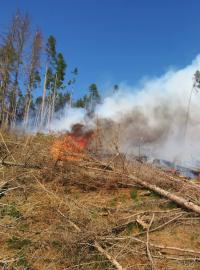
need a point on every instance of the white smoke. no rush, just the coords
(67, 118)
(153, 115)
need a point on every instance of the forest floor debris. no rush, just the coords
(91, 213)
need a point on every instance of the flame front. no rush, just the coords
(69, 148)
(72, 145)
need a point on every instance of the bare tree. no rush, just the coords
(20, 28)
(33, 76)
(42, 114)
(7, 60)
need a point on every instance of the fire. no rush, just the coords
(72, 145)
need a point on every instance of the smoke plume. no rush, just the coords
(152, 117)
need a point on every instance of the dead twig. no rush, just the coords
(184, 250)
(7, 147)
(147, 244)
(69, 221)
(167, 194)
(162, 225)
(108, 256)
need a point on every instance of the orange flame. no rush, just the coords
(72, 145)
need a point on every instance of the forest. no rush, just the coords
(35, 80)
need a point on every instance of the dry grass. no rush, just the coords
(51, 213)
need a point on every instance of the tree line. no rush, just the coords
(34, 83)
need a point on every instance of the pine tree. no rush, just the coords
(59, 80)
(72, 82)
(48, 79)
(94, 97)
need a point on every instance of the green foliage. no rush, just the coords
(10, 210)
(155, 195)
(18, 243)
(23, 227)
(36, 79)
(94, 215)
(60, 70)
(83, 102)
(22, 262)
(38, 100)
(50, 78)
(130, 227)
(61, 101)
(80, 103)
(134, 194)
(93, 99)
(56, 66)
(51, 50)
(20, 74)
(57, 245)
(94, 93)
(168, 205)
(197, 79)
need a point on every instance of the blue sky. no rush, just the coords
(111, 41)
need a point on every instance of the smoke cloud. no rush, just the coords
(67, 118)
(152, 117)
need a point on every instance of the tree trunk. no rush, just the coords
(178, 200)
(27, 107)
(49, 110)
(43, 99)
(13, 102)
(53, 99)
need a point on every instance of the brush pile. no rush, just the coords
(65, 207)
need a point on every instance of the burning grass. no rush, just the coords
(71, 146)
(85, 213)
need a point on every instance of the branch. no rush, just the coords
(147, 244)
(6, 147)
(23, 165)
(108, 256)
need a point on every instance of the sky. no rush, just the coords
(114, 41)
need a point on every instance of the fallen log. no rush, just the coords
(187, 204)
(167, 194)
